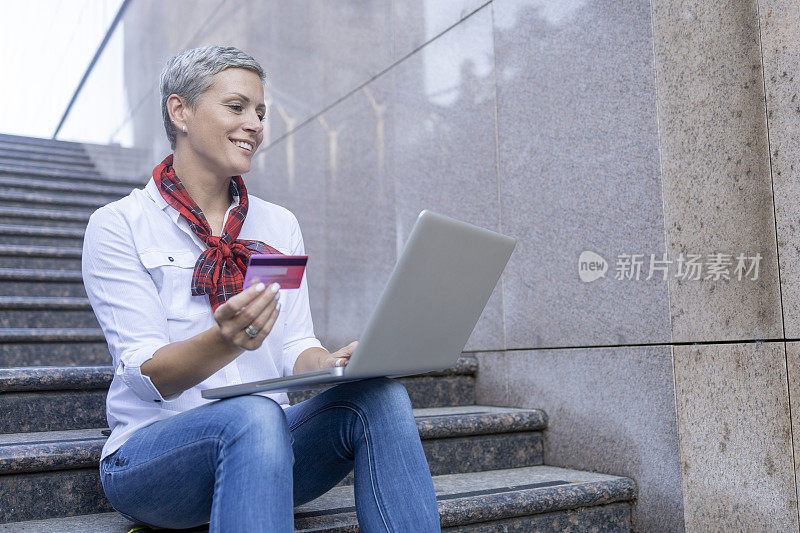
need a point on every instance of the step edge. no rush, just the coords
(349, 521)
(53, 373)
(45, 190)
(22, 230)
(51, 455)
(574, 496)
(512, 504)
(30, 379)
(93, 177)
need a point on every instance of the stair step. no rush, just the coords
(48, 142)
(46, 257)
(40, 150)
(38, 379)
(17, 182)
(443, 430)
(41, 282)
(20, 347)
(50, 346)
(474, 438)
(30, 142)
(455, 440)
(50, 335)
(41, 231)
(454, 386)
(51, 236)
(52, 398)
(492, 496)
(79, 176)
(51, 200)
(24, 152)
(46, 312)
(22, 168)
(14, 154)
(32, 379)
(50, 451)
(39, 161)
(73, 218)
(48, 147)
(534, 498)
(115, 167)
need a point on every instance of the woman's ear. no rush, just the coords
(177, 108)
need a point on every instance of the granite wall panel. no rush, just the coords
(793, 378)
(715, 169)
(579, 171)
(735, 435)
(293, 174)
(779, 24)
(440, 148)
(416, 22)
(610, 410)
(381, 155)
(491, 385)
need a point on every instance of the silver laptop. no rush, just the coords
(426, 313)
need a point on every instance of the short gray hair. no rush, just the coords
(188, 74)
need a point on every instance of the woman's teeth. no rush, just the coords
(244, 145)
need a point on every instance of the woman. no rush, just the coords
(163, 269)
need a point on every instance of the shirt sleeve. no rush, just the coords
(124, 299)
(299, 335)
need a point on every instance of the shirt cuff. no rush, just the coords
(129, 369)
(292, 352)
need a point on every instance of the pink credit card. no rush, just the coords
(275, 268)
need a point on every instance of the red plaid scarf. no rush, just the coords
(219, 271)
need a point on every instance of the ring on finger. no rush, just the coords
(251, 331)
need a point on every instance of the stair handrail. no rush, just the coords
(89, 69)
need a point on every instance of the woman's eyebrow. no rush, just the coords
(247, 100)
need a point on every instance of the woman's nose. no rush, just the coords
(254, 124)
(255, 127)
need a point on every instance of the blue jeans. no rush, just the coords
(243, 463)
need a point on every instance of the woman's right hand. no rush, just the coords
(251, 306)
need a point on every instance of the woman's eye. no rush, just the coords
(238, 108)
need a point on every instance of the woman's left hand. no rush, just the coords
(339, 357)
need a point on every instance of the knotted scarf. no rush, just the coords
(219, 271)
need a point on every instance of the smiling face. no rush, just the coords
(228, 112)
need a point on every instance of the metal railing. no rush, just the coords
(97, 55)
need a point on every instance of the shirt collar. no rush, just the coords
(152, 190)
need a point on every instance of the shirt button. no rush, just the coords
(171, 259)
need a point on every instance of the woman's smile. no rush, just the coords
(244, 146)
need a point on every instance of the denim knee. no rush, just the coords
(384, 392)
(258, 420)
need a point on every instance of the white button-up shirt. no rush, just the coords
(138, 257)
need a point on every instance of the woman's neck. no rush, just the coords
(209, 192)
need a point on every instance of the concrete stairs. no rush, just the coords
(488, 462)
